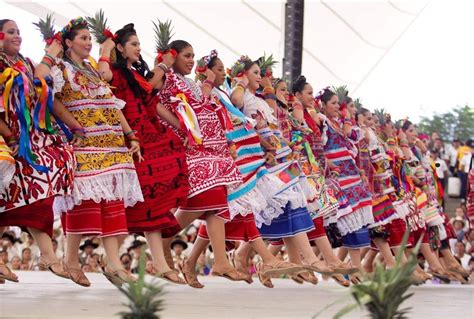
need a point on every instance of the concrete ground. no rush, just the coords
(42, 295)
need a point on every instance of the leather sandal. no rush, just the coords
(43, 265)
(190, 277)
(338, 278)
(441, 275)
(231, 274)
(117, 277)
(264, 280)
(77, 276)
(167, 276)
(319, 267)
(454, 276)
(355, 278)
(309, 277)
(281, 268)
(459, 270)
(343, 268)
(2, 281)
(243, 269)
(297, 279)
(9, 275)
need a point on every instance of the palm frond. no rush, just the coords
(46, 27)
(163, 34)
(97, 25)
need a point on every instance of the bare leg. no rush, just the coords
(155, 243)
(342, 253)
(273, 249)
(385, 251)
(71, 258)
(216, 231)
(354, 254)
(369, 261)
(46, 247)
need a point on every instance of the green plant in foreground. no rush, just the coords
(144, 299)
(383, 294)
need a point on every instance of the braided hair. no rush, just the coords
(121, 37)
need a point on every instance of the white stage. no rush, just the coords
(42, 295)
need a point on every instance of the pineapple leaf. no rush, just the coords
(97, 25)
(266, 64)
(341, 92)
(163, 34)
(46, 27)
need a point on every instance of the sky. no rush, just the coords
(412, 58)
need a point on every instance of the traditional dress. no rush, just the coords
(352, 220)
(211, 169)
(163, 173)
(44, 164)
(295, 217)
(105, 180)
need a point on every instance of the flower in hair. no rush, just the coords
(238, 69)
(203, 63)
(72, 24)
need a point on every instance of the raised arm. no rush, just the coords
(104, 60)
(43, 69)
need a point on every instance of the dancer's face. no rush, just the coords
(184, 61)
(81, 45)
(131, 49)
(411, 133)
(253, 75)
(352, 109)
(281, 91)
(306, 96)
(12, 40)
(332, 107)
(219, 71)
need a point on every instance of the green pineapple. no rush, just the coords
(144, 299)
(163, 34)
(341, 92)
(266, 64)
(97, 25)
(46, 27)
(383, 295)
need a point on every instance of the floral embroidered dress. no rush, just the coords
(44, 165)
(295, 218)
(105, 168)
(339, 151)
(30, 182)
(211, 168)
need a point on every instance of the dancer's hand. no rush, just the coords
(135, 149)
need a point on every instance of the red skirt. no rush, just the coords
(417, 234)
(164, 183)
(396, 229)
(38, 215)
(241, 228)
(91, 218)
(318, 230)
(214, 199)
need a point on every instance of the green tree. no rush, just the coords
(457, 123)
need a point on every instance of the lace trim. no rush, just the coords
(58, 79)
(402, 208)
(276, 204)
(100, 89)
(355, 221)
(113, 186)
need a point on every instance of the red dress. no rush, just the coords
(211, 167)
(163, 173)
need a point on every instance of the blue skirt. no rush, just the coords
(288, 224)
(358, 239)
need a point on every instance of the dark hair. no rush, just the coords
(469, 143)
(212, 62)
(122, 36)
(179, 45)
(406, 125)
(299, 84)
(327, 95)
(361, 111)
(3, 22)
(347, 100)
(71, 34)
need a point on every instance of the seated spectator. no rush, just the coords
(135, 251)
(15, 263)
(9, 242)
(461, 254)
(149, 267)
(87, 249)
(26, 259)
(458, 226)
(4, 256)
(178, 246)
(126, 260)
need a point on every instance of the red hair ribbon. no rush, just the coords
(269, 73)
(57, 36)
(161, 53)
(108, 34)
(2, 35)
(201, 70)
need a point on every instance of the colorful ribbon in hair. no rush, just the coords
(162, 53)
(188, 120)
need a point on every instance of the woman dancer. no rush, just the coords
(43, 163)
(163, 170)
(105, 180)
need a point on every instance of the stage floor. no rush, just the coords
(42, 295)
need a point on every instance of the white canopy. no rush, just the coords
(412, 58)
